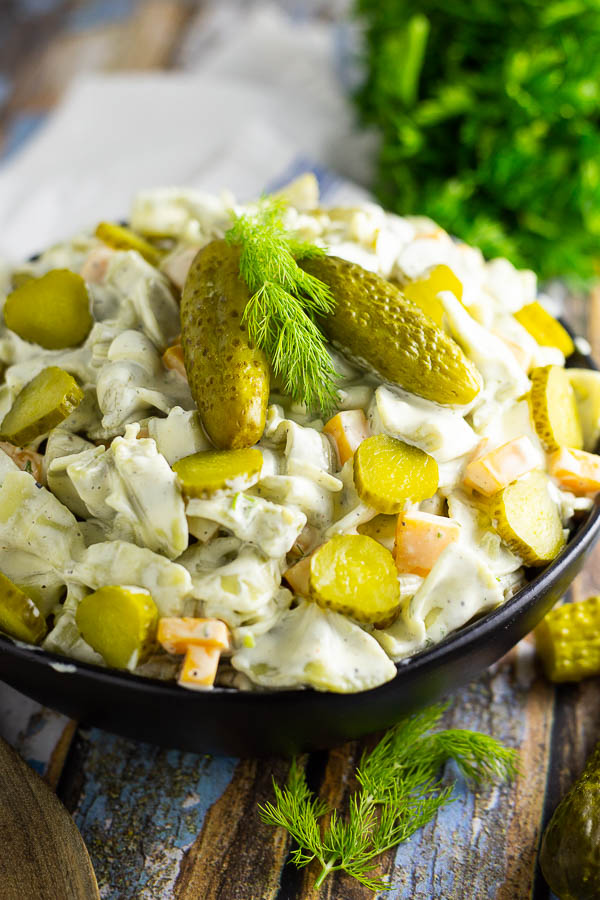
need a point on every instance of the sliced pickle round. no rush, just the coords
(554, 409)
(388, 473)
(586, 384)
(424, 291)
(119, 623)
(41, 405)
(544, 328)
(354, 575)
(527, 519)
(19, 616)
(215, 470)
(52, 311)
(121, 238)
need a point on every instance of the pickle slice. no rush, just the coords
(121, 238)
(52, 311)
(568, 640)
(388, 473)
(553, 408)
(44, 402)
(527, 519)
(586, 384)
(119, 623)
(19, 616)
(214, 470)
(354, 575)
(424, 291)
(544, 328)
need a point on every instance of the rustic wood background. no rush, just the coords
(164, 824)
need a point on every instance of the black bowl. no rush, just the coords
(248, 724)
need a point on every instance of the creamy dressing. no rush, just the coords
(135, 525)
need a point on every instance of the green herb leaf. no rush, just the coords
(488, 121)
(400, 791)
(285, 299)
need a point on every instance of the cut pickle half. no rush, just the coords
(527, 519)
(354, 575)
(119, 623)
(41, 405)
(388, 473)
(544, 328)
(19, 616)
(52, 311)
(215, 470)
(121, 238)
(554, 409)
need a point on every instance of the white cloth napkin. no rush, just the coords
(239, 117)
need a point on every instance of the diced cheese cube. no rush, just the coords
(420, 539)
(576, 470)
(492, 471)
(199, 668)
(348, 429)
(178, 634)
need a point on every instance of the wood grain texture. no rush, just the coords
(43, 855)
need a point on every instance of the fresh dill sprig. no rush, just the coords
(284, 301)
(400, 791)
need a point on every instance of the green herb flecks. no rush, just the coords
(401, 789)
(285, 299)
(488, 119)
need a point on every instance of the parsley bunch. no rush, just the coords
(489, 117)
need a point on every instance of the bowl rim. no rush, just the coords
(454, 644)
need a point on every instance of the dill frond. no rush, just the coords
(280, 315)
(401, 790)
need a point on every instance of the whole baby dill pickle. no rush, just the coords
(375, 325)
(228, 376)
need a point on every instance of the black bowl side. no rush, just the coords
(284, 722)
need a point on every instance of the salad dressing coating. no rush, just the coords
(135, 502)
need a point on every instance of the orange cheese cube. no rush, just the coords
(199, 668)
(348, 429)
(576, 470)
(492, 471)
(177, 634)
(297, 576)
(420, 538)
(173, 359)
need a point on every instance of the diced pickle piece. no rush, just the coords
(121, 238)
(388, 472)
(423, 291)
(553, 408)
(586, 384)
(544, 328)
(568, 641)
(527, 519)
(19, 616)
(52, 311)
(41, 405)
(354, 575)
(214, 470)
(119, 623)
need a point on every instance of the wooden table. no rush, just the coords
(164, 824)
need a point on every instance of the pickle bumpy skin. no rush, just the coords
(554, 409)
(568, 641)
(379, 328)
(229, 378)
